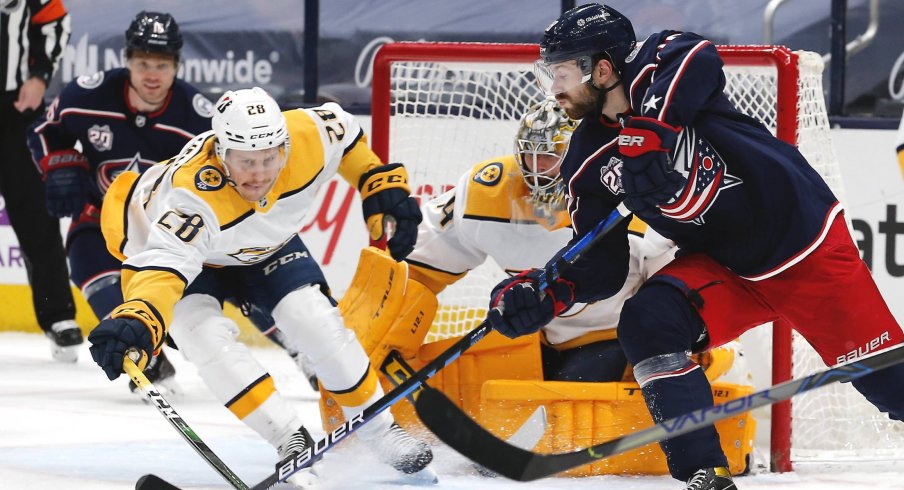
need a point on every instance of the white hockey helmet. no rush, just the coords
(248, 119)
(545, 131)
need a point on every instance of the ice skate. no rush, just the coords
(398, 449)
(297, 443)
(711, 479)
(65, 337)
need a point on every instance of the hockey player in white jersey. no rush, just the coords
(221, 219)
(512, 209)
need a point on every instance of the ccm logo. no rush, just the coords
(630, 140)
(261, 136)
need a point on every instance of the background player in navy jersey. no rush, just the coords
(123, 119)
(761, 235)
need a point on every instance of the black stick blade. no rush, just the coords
(154, 482)
(460, 432)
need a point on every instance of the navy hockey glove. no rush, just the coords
(524, 309)
(113, 337)
(385, 192)
(66, 182)
(647, 175)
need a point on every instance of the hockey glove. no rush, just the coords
(524, 310)
(647, 174)
(385, 192)
(113, 337)
(66, 182)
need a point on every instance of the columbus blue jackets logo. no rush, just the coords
(107, 170)
(707, 176)
(489, 175)
(209, 178)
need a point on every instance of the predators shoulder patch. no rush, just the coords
(209, 178)
(489, 175)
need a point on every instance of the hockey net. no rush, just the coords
(443, 107)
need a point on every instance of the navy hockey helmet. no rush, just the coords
(582, 34)
(154, 32)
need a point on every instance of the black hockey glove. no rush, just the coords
(113, 337)
(524, 310)
(647, 174)
(66, 182)
(385, 192)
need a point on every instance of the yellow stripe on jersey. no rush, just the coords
(159, 287)
(252, 397)
(113, 212)
(435, 279)
(637, 225)
(358, 160)
(358, 394)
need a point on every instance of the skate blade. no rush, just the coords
(424, 477)
(68, 354)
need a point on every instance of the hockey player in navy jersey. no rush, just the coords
(762, 236)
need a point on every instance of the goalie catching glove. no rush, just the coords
(385, 192)
(647, 175)
(66, 182)
(526, 309)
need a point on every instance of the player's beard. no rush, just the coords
(589, 101)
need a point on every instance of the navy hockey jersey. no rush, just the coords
(93, 109)
(750, 201)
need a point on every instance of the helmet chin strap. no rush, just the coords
(601, 94)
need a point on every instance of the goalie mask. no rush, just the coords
(252, 140)
(540, 145)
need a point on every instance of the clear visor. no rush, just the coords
(562, 76)
(250, 161)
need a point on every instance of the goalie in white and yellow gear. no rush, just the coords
(221, 220)
(510, 209)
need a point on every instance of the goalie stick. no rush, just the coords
(463, 434)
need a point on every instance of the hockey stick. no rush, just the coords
(151, 482)
(289, 466)
(459, 431)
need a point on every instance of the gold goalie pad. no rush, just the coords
(387, 311)
(584, 414)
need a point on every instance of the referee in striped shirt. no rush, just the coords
(33, 34)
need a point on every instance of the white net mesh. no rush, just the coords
(448, 116)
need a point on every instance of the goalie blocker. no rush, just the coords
(500, 382)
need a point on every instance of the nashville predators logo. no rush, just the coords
(489, 175)
(209, 178)
(250, 255)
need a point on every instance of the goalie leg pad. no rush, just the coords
(385, 308)
(207, 339)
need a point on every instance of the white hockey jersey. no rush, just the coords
(183, 214)
(487, 214)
